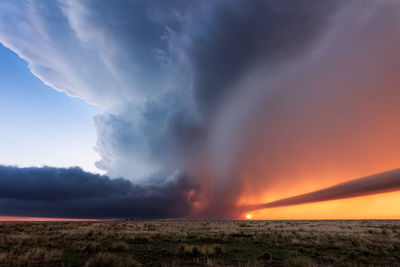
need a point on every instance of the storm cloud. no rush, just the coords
(244, 97)
(74, 193)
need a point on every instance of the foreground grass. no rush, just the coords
(201, 243)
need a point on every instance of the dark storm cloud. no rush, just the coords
(236, 36)
(73, 193)
(209, 47)
(130, 36)
(163, 66)
(374, 184)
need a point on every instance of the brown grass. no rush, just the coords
(32, 257)
(201, 243)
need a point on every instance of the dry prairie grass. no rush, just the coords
(201, 243)
(32, 257)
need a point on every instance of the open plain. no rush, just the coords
(201, 243)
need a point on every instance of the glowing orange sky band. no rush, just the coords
(374, 184)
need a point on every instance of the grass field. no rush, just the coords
(201, 243)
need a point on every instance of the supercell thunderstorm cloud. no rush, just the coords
(210, 105)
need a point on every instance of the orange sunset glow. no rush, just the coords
(380, 206)
(324, 144)
(376, 206)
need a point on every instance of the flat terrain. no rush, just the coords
(201, 243)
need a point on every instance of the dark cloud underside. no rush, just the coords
(73, 193)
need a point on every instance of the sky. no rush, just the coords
(41, 126)
(199, 109)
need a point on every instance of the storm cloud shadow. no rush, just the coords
(74, 193)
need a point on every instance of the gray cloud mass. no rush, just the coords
(73, 193)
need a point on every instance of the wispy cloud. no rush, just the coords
(374, 184)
